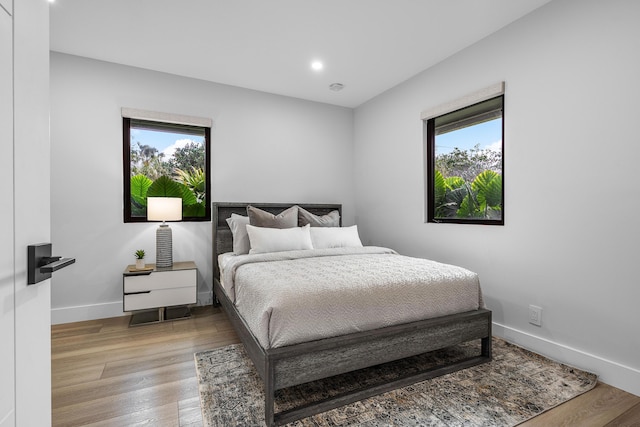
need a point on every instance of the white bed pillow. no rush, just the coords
(335, 237)
(238, 225)
(264, 239)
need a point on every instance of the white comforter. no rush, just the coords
(298, 296)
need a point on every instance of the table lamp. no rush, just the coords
(164, 209)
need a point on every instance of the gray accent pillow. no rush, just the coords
(288, 218)
(332, 219)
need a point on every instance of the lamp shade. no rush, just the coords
(164, 209)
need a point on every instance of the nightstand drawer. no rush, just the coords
(160, 298)
(160, 288)
(160, 280)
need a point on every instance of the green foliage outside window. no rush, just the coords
(468, 184)
(151, 178)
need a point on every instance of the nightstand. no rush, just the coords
(167, 291)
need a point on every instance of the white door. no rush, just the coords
(25, 310)
(7, 274)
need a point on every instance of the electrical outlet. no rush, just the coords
(535, 315)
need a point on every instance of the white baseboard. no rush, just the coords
(105, 310)
(608, 371)
(86, 312)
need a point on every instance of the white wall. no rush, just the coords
(265, 148)
(569, 243)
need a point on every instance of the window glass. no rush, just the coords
(166, 160)
(465, 165)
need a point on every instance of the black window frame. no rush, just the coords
(126, 138)
(429, 132)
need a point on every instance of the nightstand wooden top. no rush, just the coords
(181, 265)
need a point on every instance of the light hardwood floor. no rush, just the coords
(107, 374)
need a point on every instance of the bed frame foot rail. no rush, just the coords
(285, 417)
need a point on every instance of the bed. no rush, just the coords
(298, 358)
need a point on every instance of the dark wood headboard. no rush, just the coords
(222, 239)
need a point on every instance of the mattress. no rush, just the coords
(292, 297)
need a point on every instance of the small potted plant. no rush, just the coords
(139, 259)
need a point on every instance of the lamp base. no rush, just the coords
(164, 249)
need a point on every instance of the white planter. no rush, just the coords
(139, 264)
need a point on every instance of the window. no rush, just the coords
(464, 176)
(164, 159)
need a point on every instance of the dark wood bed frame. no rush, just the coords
(300, 363)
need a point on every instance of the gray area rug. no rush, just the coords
(514, 387)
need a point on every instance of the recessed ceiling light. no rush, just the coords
(317, 65)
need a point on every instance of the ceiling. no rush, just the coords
(268, 45)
